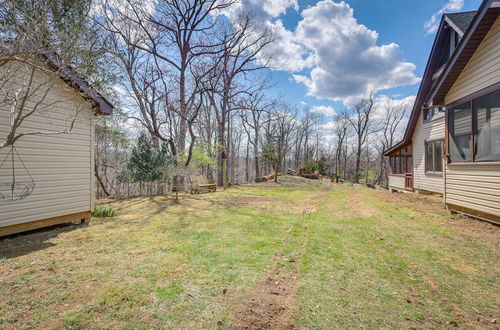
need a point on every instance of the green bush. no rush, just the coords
(103, 212)
(317, 165)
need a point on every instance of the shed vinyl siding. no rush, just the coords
(60, 164)
(474, 187)
(482, 70)
(397, 181)
(429, 131)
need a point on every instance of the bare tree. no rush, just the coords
(360, 119)
(255, 113)
(278, 133)
(241, 55)
(340, 132)
(393, 116)
(303, 138)
(177, 33)
(43, 41)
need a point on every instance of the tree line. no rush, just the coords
(193, 92)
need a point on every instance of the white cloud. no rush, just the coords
(324, 110)
(328, 127)
(278, 7)
(286, 53)
(262, 10)
(381, 101)
(432, 24)
(329, 52)
(346, 60)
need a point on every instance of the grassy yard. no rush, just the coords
(301, 254)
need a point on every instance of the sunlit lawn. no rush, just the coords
(363, 261)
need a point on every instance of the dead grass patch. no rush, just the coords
(431, 206)
(356, 205)
(477, 229)
(432, 203)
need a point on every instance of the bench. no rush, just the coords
(201, 184)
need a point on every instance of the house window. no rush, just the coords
(460, 127)
(397, 165)
(474, 130)
(487, 129)
(434, 156)
(430, 113)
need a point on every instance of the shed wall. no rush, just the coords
(60, 164)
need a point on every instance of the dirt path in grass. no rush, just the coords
(272, 303)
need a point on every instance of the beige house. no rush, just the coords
(48, 176)
(451, 145)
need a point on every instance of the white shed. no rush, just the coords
(54, 162)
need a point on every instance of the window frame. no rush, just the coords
(433, 142)
(435, 112)
(472, 141)
(397, 164)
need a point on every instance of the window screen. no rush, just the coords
(460, 128)
(487, 132)
(434, 156)
(438, 156)
(429, 157)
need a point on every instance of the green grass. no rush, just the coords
(363, 262)
(103, 212)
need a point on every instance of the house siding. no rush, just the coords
(60, 164)
(474, 187)
(482, 70)
(397, 181)
(429, 131)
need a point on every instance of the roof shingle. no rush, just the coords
(461, 20)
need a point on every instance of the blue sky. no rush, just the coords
(382, 45)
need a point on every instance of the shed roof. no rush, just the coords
(99, 103)
(68, 74)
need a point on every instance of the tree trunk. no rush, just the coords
(184, 110)
(358, 163)
(256, 156)
(96, 172)
(221, 155)
(247, 164)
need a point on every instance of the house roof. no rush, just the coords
(460, 21)
(476, 33)
(99, 103)
(436, 89)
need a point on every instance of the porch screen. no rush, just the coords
(460, 127)
(482, 117)
(487, 132)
